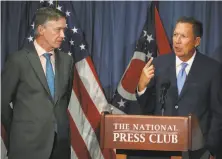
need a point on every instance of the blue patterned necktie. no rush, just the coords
(50, 74)
(181, 77)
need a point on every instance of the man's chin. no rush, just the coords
(179, 54)
(57, 46)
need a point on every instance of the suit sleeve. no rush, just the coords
(71, 78)
(9, 82)
(147, 99)
(214, 136)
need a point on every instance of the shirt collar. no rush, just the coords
(40, 50)
(189, 62)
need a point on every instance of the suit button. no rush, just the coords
(176, 107)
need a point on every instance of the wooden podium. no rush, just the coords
(161, 133)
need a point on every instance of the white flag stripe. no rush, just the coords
(3, 150)
(84, 127)
(115, 110)
(125, 94)
(139, 55)
(96, 94)
(73, 154)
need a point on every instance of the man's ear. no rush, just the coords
(197, 41)
(40, 29)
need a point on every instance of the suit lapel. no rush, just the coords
(173, 80)
(193, 71)
(37, 67)
(58, 74)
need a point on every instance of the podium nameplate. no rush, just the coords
(161, 133)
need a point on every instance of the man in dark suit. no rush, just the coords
(195, 85)
(37, 80)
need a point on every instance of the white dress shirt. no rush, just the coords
(40, 52)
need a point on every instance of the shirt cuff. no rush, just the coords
(141, 92)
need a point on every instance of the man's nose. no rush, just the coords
(62, 34)
(178, 39)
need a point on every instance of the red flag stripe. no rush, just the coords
(132, 75)
(3, 133)
(161, 37)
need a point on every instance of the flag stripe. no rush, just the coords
(80, 148)
(132, 74)
(109, 154)
(86, 103)
(125, 89)
(84, 128)
(89, 60)
(92, 85)
(3, 133)
(3, 150)
(94, 98)
(137, 55)
(73, 154)
(161, 37)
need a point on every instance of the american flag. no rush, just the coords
(3, 147)
(153, 39)
(87, 99)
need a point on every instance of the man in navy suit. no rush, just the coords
(194, 81)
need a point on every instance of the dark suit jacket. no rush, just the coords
(31, 123)
(201, 94)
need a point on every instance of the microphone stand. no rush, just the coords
(164, 87)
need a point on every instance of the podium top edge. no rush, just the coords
(145, 116)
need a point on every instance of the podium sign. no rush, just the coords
(161, 133)
(137, 132)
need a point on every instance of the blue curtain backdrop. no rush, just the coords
(112, 28)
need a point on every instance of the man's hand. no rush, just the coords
(146, 75)
(212, 157)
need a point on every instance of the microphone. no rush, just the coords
(163, 91)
